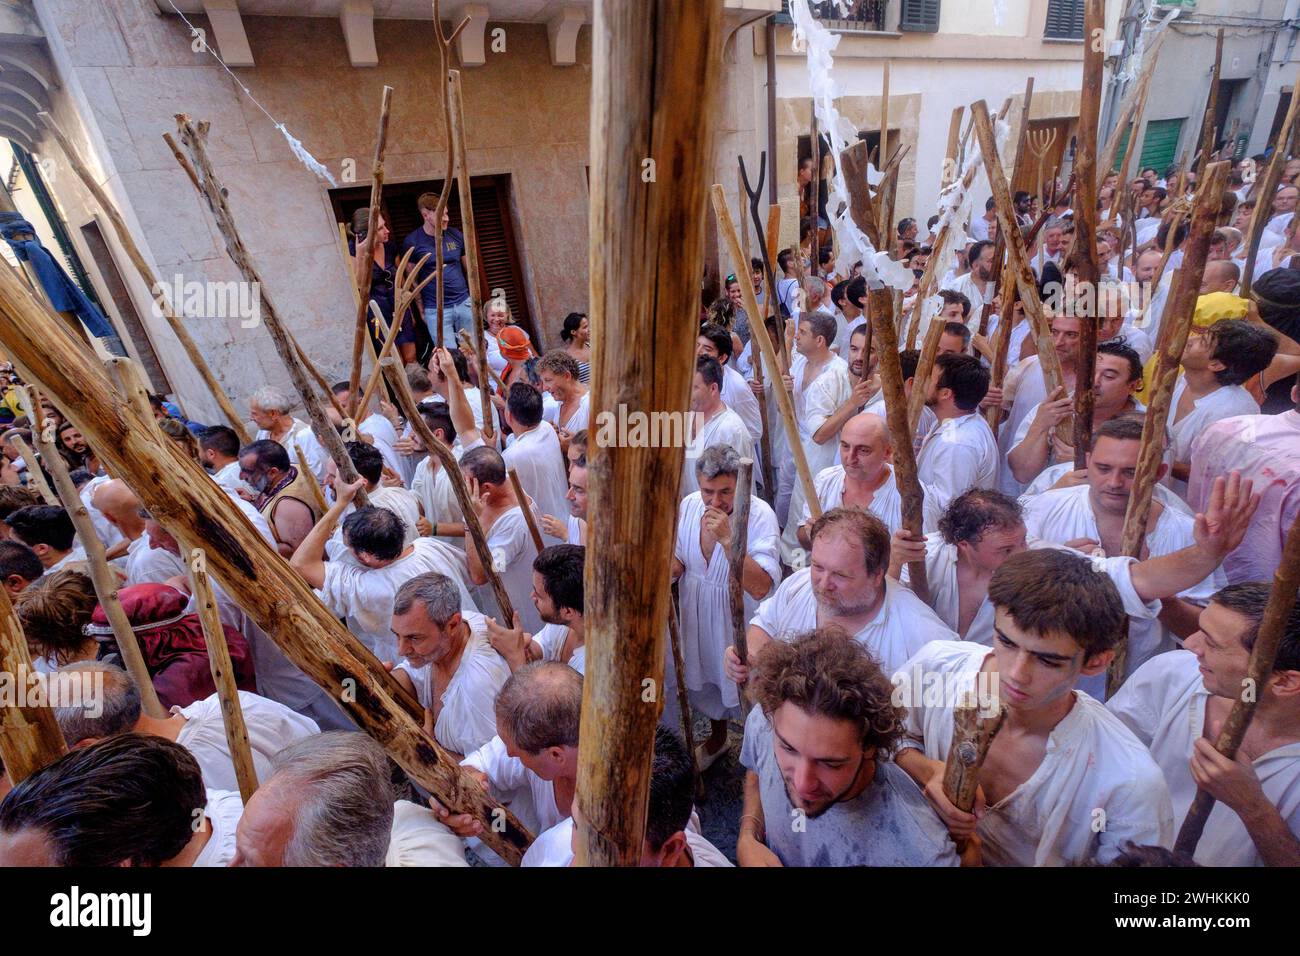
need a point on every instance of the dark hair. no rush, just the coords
(991, 203)
(367, 460)
(376, 531)
(485, 465)
(1244, 348)
(950, 296)
(1162, 234)
(1120, 349)
(268, 453)
(871, 534)
(1123, 428)
(909, 359)
(837, 294)
(571, 323)
(822, 325)
(783, 259)
(525, 404)
(718, 336)
(710, 370)
(462, 365)
(436, 415)
(966, 376)
(561, 568)
(129, 798)
(221, 439)
(13, 497)
(1048, 590)
(960, 329)
(976, 248)
(43, 524)
(903, 225)
(827, 673)
(1020, 195)
(17, 558)
(672, 789)
(1249, 600)
(541, 706)
(855, 290)
(976, 511)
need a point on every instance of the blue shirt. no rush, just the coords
(455, 289)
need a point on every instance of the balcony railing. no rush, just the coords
(859, 16)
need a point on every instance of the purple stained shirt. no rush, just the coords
(1265, 449)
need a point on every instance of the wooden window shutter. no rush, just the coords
(1064, 20)
(920, 16)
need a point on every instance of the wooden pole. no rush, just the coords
(34, 473)
(649, 57)
(444, 43)
(886, 225)
(754, 194)
(1087, 268)
(101, 574)
(1265, 190)
(318, 495)
(365, 252)
(194, 139)
(972, 734)
(759, 331)
(815, 187)
(533, 532)
(29, 735)
(148, 276)
(186, 501)
(223, 676)
(407, 290)
(1211, 108)
(1002, 345)
(948, 175)
(1259, 668)
(736, 559)
(470, 229)
(402, 390)
(683, 698)
(1139, 111)
(1174, 329)
(1127, 114)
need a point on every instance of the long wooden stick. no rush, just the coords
(755, 193)
(886, 223)
(102, 575)
(1139, 111)
(318, 496)
(1136, 93)
(444, 42)
(759, 332)
(1211, 108)
(1259, 668)
(194, 139)
(402, 390)
(950, 165)
(1174, 330)
(223, 676)
(407, 291)
(1087, 267)
(199, 514)
(29, 734)
(646, 253)
(972, 734)
(683, 697)
(366, 253)
(736, 559)
(316, 376)
(34, 473)
(148, 276)
(1002, 345)
(1265, 189)
(468, 227)
(533, 531)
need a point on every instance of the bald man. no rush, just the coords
(1221, 275)
(121, 508)
(864, 479)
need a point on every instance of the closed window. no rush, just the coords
(1064, 20)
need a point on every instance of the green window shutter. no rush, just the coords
(1160, 144)
(919, 16)
(1123, 147)
(1064, 20)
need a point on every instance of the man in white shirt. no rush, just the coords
(558, 598)
(369, 465)
(1025, 388)
(199, 728)
(509, 541)
(447, 663)
(672, 836)
(702, 568)
(961, 452)
(1060, 759)
(715, 342)
(360, 587)
(1053, 245)
(844, 585)
(819, 381)
(49, 532)
(440, 514)
(269, 408)
(219, 450)
(985, 227)
(1177, 704)
(980, 285)
(374, 426)
(1215, 364)
(144, 564)
(712, 423)
(535, 453)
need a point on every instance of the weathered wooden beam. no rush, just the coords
(29, 734)
(736, 560)
(1211, 108)
(196, 510)
(649, 57)
(148, 276)
(1265, 188)
(34, 473)
(1127, 110)
(1175, 327)
(194, 139)
(972, 734)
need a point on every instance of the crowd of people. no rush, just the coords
(1116, 671)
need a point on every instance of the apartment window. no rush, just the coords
(1160, 144)
(1064, 20)
(919, 16)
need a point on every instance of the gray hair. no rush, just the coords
(344, 793)
(541, 705)
(435, 591)
(94, 712)
(717, 460)
(814, 286)
(1056, 222)
(271, 399)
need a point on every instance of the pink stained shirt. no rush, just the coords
(1265, 449)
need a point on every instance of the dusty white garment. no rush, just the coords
(223, 813)
(419, 838)
(524, 793)
(149, 565)
(271, 727)
(536, 457)
(513, 553)
(555, 848)
(737, 396)
(551, 640)
(724, 428)
(1227, 401)
(958, 455)
(814, 403)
